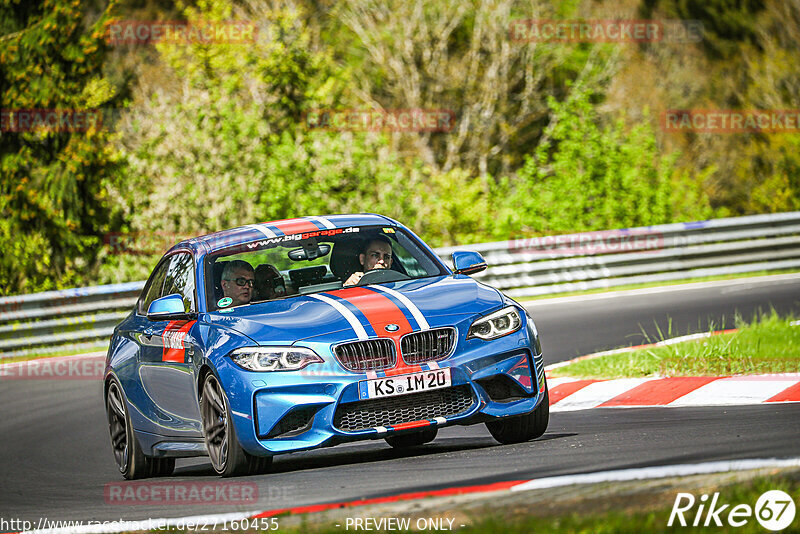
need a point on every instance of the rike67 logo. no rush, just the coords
(774, 510)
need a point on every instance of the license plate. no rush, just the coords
(403, 384)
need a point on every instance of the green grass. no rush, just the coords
(769, 344)
(658, 284)
(636, 521)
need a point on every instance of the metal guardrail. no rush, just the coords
(84, 318)
(592, 260)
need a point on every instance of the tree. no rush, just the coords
(586, 175)
(54, 202)
(460, 55)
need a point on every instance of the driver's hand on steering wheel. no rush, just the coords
(353, 279)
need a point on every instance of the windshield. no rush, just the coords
(300, 264)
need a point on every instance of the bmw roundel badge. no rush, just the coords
(391, 328)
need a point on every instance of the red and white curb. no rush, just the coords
(569, 394)
(620, 475)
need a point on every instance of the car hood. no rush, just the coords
(335, 316)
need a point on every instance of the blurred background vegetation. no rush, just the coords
(548, 138)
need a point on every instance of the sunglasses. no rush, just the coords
(243, 281)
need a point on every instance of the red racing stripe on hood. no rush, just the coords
(380, 311)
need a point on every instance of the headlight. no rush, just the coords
(274, 358)
(498, 324)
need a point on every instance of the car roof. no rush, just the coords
(254, 232)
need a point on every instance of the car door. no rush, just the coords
(168, 348)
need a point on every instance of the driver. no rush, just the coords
(376, 255)
(238, 280)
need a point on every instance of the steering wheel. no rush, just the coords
(378, 276)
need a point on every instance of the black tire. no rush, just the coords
(131, 461)
(163, 467)
(227, 457)
(412, 440)
(524, 427)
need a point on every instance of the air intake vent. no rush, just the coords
(294, 423)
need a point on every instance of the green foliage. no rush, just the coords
(768, 344)
(726, 23)
(453, 208)
(747, 60)
(54, 202)
(587, 176)
(215, 135)
(230, 147)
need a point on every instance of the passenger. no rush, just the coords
(376, 255)
(269, 283)
(238, 280)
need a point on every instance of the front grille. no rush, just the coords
(427, 346)
(369, 355)
(361, 415)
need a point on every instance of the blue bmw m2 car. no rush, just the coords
(303, 333)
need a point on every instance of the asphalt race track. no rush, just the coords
(56, 457)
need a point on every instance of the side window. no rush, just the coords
(180, 279)
(153, 288)
(409, 262)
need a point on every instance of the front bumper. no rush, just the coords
(319, 406)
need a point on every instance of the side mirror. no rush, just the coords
(169, 307)
(468, 262)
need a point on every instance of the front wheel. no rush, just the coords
(524, 427)
(227, 456)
